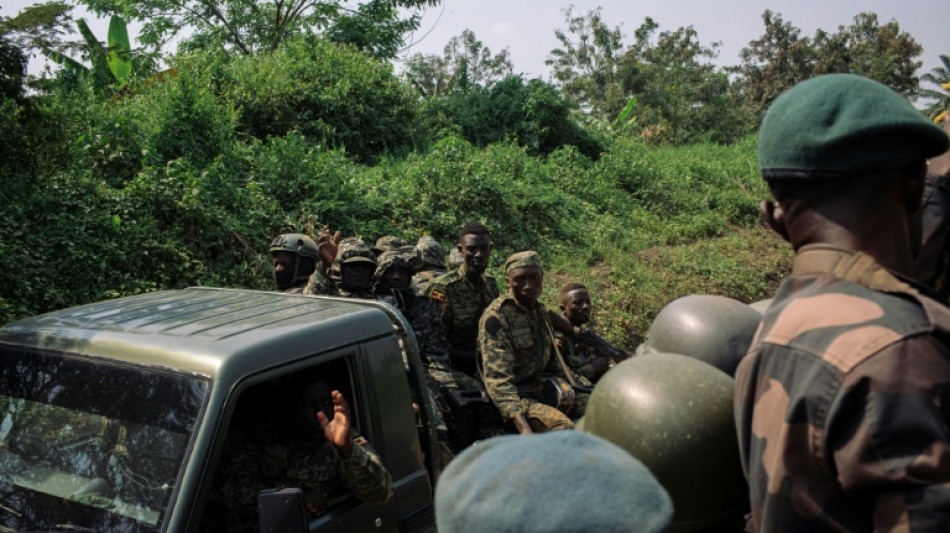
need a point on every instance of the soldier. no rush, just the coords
(354, 267)
(322, 456)
(842, 401)
(574, 302)
(461, 296)
(932, 263)
(295, 258)
(558, 482)
(517, 348)
(433, 263)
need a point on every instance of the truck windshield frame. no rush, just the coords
(91, 443)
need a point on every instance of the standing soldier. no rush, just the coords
(517, 347)
(295, 259)
(461, 297)
(581, 358)
(433, 263)
(842, 402)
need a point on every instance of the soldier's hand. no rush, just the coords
(337, 431)
(521, 424)
(328, 245)
(940, 165)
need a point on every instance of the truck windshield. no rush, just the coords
(90, 445)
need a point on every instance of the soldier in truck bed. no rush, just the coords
(575, 305)
(843, 401)
(461, 296)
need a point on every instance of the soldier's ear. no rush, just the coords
(774, 216)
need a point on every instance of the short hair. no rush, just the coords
(568, 288)
(474, 228)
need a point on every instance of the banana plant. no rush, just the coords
(111, 65)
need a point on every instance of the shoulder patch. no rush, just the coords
(492, 325)
(361, 440)
(437, 296)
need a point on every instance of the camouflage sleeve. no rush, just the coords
(891, 438)
(429, 330)
(436, 293)
(365, 476)
(318, 284)
(497, 352)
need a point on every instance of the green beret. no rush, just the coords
(562, 481)
(842, 125)
(522, 259)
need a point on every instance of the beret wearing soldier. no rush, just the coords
(563, 481)
(842, 125)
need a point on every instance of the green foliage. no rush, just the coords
(252, 26)
(530, 113)
(465, 63)
(782, 57)
(325, 91)
(939, 98)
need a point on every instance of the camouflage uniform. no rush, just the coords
(578, 356)
(933, 261)
(460, 304)
(317, 469)
(517, 349)
(842, 402)
(319, 284)
(433, 263)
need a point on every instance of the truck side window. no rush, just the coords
(275, 440)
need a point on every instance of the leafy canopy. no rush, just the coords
(249, 26)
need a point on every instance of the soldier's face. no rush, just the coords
(525, 284)
(358, 276)
(576, 306)
(396, 278)
(284, 269)
(475, 250)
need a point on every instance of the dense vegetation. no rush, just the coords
(181, 177)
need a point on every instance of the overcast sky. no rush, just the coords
(526, 27)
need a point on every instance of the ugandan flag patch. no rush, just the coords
(437, 296)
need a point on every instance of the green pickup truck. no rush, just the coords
(117, 416)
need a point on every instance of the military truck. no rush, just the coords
(117, 416)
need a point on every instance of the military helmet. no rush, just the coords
(431, 252)
(714, 329)
(675, 414)
(455, 259)
(354, 250)
(295, 243)
(386, 243)
(406, 257)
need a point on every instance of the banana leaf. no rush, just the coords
(119, 57)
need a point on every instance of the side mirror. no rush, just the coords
(282, 511)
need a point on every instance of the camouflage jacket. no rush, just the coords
(516, 349)
(429, 331)
(460, 304)
(577, 355)
(320, 284)
(933, 260)
(842, 403)
(316, 469)
(424, 278)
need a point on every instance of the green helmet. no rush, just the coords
(406, 257)
(295, 243)
(431, 252)
(386, 243)
(714, 329)
(675, 414)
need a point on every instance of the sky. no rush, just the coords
(526, 27)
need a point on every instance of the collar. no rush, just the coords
(511, 297)
(858, 267)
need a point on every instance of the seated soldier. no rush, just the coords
(295, 257)
(433, 263)
(574, 302)
(386, 243)
(517, 347)
(312, 447)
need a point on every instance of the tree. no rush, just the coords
(590, 67)
(248, 26)
(782, 57)
(465, 62)
(940, 99)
